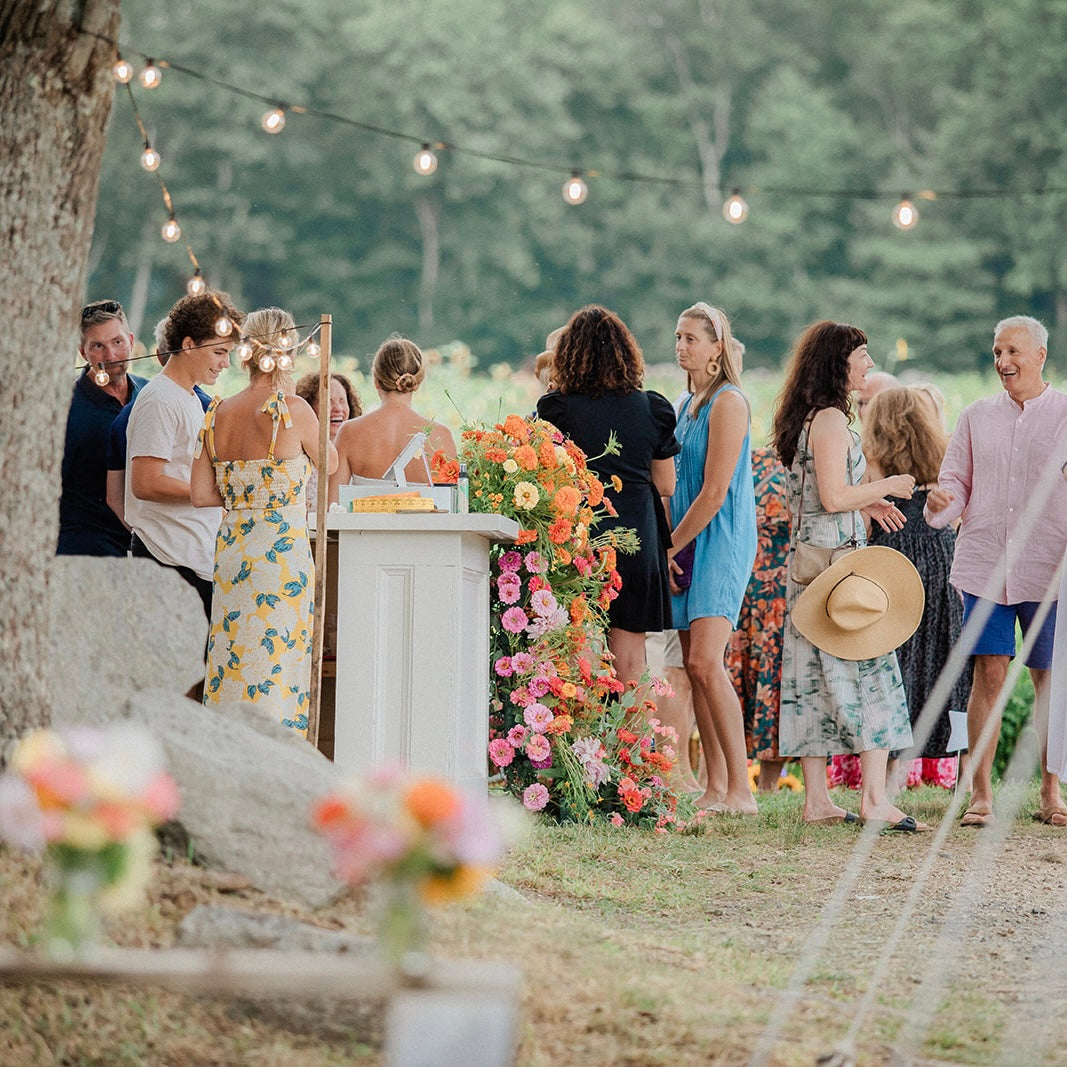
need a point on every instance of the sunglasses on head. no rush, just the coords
(106, 307)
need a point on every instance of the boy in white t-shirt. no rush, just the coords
(162, 432)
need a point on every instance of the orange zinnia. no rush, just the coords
(431, 801)
(566, 500)
(525, 457)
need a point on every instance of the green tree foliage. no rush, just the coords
(823, 111)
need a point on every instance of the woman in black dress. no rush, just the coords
(599, 372)
(904, 433)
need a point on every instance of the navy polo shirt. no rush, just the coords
(87, 526)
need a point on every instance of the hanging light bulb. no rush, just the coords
(150, 158)
(151, 76)
(223, 326)
(314, 350)
(273, 121)
(285, 340)
(574, 189)
(171, 230)
(266, 364)
(285, 361)
(196, 284)
(425, 161)
(101, 377)
(122, 70)
(244, 351)
(905, 215)
(735, 209)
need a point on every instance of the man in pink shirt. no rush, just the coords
(994, 466)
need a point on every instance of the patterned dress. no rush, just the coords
(259, 648)
(832, 705)
(754, 655)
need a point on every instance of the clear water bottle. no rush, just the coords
(463, 491)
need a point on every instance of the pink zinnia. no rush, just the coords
(500, 752)
(617, 819)
(510, 561)
(522, 662)
(503, 667)
(538, 747)
(538, 717)
(509, 585)
(534, 797)
(516, 736)
(539, 685)
(514, 620)
(536, 563)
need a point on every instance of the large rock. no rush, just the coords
(118, 626)
(247, 784)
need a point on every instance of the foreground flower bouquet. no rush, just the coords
(566, 737)
(419, 841)
(89, 799)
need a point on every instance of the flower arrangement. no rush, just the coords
(89, 799)
(424, 840)
(566, 736)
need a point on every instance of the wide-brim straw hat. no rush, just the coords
(866, 604)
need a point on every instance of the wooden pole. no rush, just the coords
(319, 629)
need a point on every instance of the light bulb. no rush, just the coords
(171, 230)
(905, 216)
(266, 364)
(273, 121)
(122, 71)
(285, 340)
(223, 326)
(285, 361)
(575, 190)
(244, 351)
(425, 161)
(735, 209)
(151, 76)
(314, 350)
(196, 284)
(101, 377)
(150, 158)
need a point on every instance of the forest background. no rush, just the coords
(823, 112)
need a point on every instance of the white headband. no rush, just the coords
(716, 321)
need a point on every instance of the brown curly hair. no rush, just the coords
(903, 434)
(597, 354)
(307, 388)
(195, 317)
(816, 378)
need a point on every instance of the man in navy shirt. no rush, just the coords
(87, 526)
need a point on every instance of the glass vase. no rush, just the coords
(403, 931)
(76, 878)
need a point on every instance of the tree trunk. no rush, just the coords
(55, 96)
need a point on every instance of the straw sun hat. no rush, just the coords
(866, 604)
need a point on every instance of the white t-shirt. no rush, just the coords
(164, 424)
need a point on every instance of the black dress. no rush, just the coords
(644, 424)
(924, 654)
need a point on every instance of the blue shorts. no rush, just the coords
(998, 636)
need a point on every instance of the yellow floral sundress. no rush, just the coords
(259, 648)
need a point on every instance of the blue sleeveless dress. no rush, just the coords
(726, 547)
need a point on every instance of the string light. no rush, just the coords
(101, 377)
(425, 161)
(171, 230)
(905, 215)
(266, 364)
(273, 121)
(122, 70)
(223, 326)
(735, 209)
(151, 76)
(574, 189)
(150, 158)
(244, 351)
(196, 285)
(285, 340)
(314, 350)
(285, 362)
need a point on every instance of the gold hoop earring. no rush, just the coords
(713, 368)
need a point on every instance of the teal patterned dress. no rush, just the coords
(259, 648)
(832, 705)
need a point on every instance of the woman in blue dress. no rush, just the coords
(714, 509)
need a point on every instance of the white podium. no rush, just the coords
(413, 641)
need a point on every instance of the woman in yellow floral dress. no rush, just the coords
(253, 458)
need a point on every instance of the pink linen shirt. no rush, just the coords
(995, 463)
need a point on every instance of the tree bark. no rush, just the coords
(55, 96)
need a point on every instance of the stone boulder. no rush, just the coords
(247, 784)
(118, 626)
